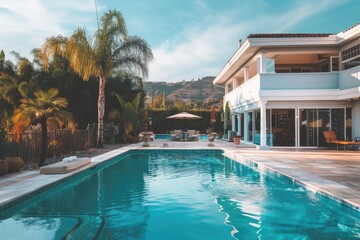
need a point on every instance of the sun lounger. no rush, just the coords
(330, 137)
(65, 166)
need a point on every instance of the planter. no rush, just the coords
(4, 167)
(15, 164)
(211, 138)
(236, 140)
(146, 138)
(231, 134)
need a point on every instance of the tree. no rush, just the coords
(227, 118)
(110, 48)
(2, 59)
(131, 112)
(45, 108)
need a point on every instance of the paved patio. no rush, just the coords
(329, 172)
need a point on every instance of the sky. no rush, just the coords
(190, 39)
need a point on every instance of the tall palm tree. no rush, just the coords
(45, 108)
(110, 48)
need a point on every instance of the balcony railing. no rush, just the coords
(300, 81)
(250, 90)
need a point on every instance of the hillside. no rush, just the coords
(199, 90)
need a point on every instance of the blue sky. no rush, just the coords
(189, 38)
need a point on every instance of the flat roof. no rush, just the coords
(287, 35)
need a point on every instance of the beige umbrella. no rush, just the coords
(184, 115)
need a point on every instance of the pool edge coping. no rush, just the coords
(248, 161)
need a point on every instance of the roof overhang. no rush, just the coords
(251, 47)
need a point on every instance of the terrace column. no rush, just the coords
(246, 73)
(246, 126)
(261, 63)
(233, 120)
(263, 144)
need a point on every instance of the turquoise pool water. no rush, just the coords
(178, 195)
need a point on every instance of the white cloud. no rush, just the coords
(206, 47)
(27, 23)
(303, 10)
(197, 56)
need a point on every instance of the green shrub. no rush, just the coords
(15, 164)
(4, 167)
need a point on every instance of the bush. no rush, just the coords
(4, 167)
(15, 164)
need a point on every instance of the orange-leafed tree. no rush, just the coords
(45, 108)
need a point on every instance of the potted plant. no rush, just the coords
(236, 139)
(210, 134)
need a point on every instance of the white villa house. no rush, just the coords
(286, 89)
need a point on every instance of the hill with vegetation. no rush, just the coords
(195, 90)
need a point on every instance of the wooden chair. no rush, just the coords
(330, 137)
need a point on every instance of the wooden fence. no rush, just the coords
(61, 142)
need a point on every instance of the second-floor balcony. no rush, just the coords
(306, 84)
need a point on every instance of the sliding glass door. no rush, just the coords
(309, 125)
(313, 123)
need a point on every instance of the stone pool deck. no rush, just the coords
(335, 174)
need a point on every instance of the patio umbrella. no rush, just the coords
(184, 116)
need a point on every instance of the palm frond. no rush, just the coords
(134, 53)
(114, 22)
(81, 55)
(53, 46)
(121, 101)
(136, 102)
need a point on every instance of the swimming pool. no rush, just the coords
(178, 195)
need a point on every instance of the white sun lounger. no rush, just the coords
(65, 167)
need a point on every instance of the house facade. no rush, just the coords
(285, 90)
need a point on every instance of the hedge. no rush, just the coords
(160, 124)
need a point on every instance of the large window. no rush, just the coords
(350, 57)
(348, 124)
(283, 127)
(250, 127)
(242, 126)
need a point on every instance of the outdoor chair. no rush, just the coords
(190, 134)
(194, 136)
(330, 137)
(175, 135)
(172, 136)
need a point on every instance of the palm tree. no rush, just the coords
(110, 48)
(45, 108)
